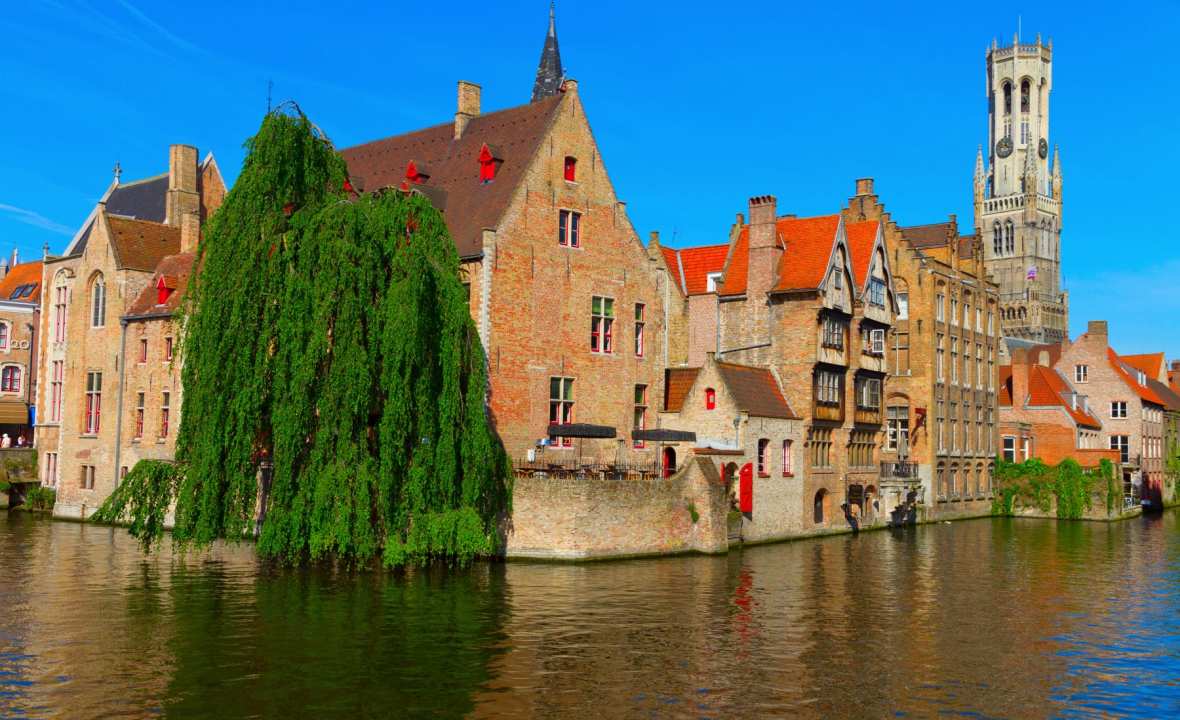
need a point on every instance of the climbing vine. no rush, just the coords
(1065, 486)
(327, 340)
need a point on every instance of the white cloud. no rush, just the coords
(35, 219)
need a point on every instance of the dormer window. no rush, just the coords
(571, 168)
(838, 279)
(416, 174)
(1141, 377)
(711, 281)
(710, 399)
(163, 292)
(488, 164)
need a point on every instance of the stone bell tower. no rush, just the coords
(1018, 194)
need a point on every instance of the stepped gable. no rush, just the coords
(452, 165)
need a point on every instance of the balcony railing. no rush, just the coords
(555, 466)
(901, 469)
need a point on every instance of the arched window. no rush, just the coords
(710, 398)
(820, 506)
(571, 168)
(1009, 238)
(953, 482)
(669, 461)
(1024, 95)
(10, 379)
(997, 239)
(98, 302)
(942, 488)
(1007, 98)
(61, 293)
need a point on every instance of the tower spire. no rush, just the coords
(549, 72)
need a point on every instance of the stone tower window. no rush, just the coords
(1024, 95)
(1007, 98)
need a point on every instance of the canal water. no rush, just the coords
(985, 618)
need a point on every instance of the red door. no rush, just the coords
(746, 488)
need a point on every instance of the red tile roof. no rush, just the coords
(23, 274)
(470, 206)
(1144, 391)
(677, 383)
(1150, 363)
(691, 266)
(755, 391)
(142, 244)
(808, 244)
(861, 238)
(1046, 387)
(175, 270)
(1004, 398)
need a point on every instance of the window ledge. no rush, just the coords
(88, 436)
(136, 440)
(764, 475)
(161, 441)
(788, 474)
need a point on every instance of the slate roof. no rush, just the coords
(141, 245)
(690, 267)
(21, 277)
(175, 271)
(143, 200)
(677, 383)
(549, 72)
(470, 206)
(755, 391)
(807, 249)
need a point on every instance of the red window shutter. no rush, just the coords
(487, 165)
(746, 489)
(710, 398)
(571, 168)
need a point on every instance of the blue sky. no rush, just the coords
(696, 107)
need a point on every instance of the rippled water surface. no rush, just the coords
(987, 618)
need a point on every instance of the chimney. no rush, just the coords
(864, 186)
(654, 239)
(15, 258)
(764, 248)
(1020, 370)
(1176, 366)
(1096, 328)
(570, 86)
(190, 232)
(468, 106)
(3, 269)
(182, 183)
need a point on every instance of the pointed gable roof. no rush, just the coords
(1046, 387)
(755, 391)
(677, 383)
(173, 272)
(1152, 364)
(862, 240)
(692, 266)
(808, 247)
(470, 205)
(1126, 372)
(141, 245)
(549, 72)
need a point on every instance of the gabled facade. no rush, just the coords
(690, 298)
(940, 408)
(1132, 413)
(84, 342)
(20, 317)
(568, 303)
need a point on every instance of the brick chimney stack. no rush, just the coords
(182, 184)
(764, 248)
(468, 109)
(1096, 328)
(190, 232)
(864, 186)
(1020, 370)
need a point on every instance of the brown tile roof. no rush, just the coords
(471, 206)
(927, 236)
(140, 244)
(1170, 397)
(21, 276)
(174, 270)
(1004, 399)
(967, 245)
(755, 391)
(677, 383)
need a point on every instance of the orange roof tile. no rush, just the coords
(1046, 387)
(21, 275)
(809, 243)
(677, 383)
(737, 269)
(698, 262)
(1005, 396)
(861, 238)
(142, 244)
(1150, 363)
(673, 263)
(1145, 393)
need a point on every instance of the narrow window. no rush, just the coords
(786, 458)
(1009, 448)
(763, 460)
(602, 324)
(940, 307)
(710, 399)
(93, 402)
(903, 306)
(877, 292)
(569, 226)
(139, 415)
(571, 168)
(1007, 98)
(168, 348)
(3, 336)
(143, 350)
(10, 379)
(98, 303)
(55, 387)
(640, 411)
(640, 322)
(561, 406)
(1081, 373)
(1024, 96)
(165, 412)
(59, 313)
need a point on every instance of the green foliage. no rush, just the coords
(1066, 486)
(692, 513)
(5, 485)
(142, 498)
(334, 341)
(40, 498)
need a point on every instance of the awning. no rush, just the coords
(582, 430)
(664, 435)
(13, 412)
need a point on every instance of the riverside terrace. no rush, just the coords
(563, 453)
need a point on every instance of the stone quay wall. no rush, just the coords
(595, 518)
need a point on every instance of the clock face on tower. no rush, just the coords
(1043, 148)
(1004, 147)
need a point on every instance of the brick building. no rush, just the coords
(1042, 415)
(741, 413)
(690, 298)
(20, 317)
(1132, 413)
(122, 252)
(940, 408)
(567, 302)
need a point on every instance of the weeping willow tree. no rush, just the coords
(328, 337)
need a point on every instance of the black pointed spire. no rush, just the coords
(549, 73)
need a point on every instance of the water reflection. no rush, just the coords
(1003, 618)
